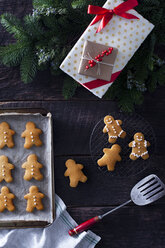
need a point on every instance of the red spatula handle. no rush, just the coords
(85, 225)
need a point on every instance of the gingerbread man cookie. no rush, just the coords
(5, 169)
(34, 199)
(31, 135)
(32, 168)
(139, 147)
(6, 199)
(6, 134)
(74, 172)
(110, 157)
(113, 128)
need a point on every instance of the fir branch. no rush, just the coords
(150, 56)
(161, 75)
(12, 54)
(126, 102)
(114, 90)
(41, 3)
(14, 26)
(28, 67)
(69, 88)
(152, 82)
(141, 73)
(51, 23)
(33, 27)
(136, 96)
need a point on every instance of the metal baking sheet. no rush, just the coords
(19, 187)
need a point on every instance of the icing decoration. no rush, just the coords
(113, 128)
(139, 147)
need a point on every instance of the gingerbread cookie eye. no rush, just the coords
(32, 168)
(74, 172)
(113, 128)
(6, 199)
(110, 157)
(6, 134)
(139, 147)
(5, 169)
(31, 135)
(34, 199)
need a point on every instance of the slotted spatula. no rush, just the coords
(148, 190)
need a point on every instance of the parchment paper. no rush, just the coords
(17, 156)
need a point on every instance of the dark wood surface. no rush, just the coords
(74, 121)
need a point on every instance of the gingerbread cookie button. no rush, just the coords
(110, 157)
(139, 147)
(34, 199)
(32, 168)
(74, 172)
(31, 135)
(5, 169)
(113, 128)
(6, 200)
(6, 134)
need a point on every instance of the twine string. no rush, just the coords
(89, 57)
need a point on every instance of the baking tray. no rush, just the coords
(17, 119)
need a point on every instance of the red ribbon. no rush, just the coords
(105, 15)
(99, 82)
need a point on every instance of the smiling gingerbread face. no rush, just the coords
(108, 119)
(138, 137)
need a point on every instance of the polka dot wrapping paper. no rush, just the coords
(125, 34)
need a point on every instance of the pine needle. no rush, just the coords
(13, 25)
(69, 88)
(12, 54)
(28, 67)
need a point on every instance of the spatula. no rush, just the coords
(146, 191)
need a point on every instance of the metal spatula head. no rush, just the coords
(148, 190)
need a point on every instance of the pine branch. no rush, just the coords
(28, 67)
(152, 82)
(136, 96)
(126, 102)
(69, 88)
(161, 75)
(33, 27)
(51, 23)
(114, 90)
(14, 26)
(12, 54)
(40, 3)
(141, 73)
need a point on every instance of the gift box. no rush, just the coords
(125, 34)
(97, 60)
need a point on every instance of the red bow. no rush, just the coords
(105, 15)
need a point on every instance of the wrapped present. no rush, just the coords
(97, 60)
(125, 31)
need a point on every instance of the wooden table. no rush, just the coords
(74, 120)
